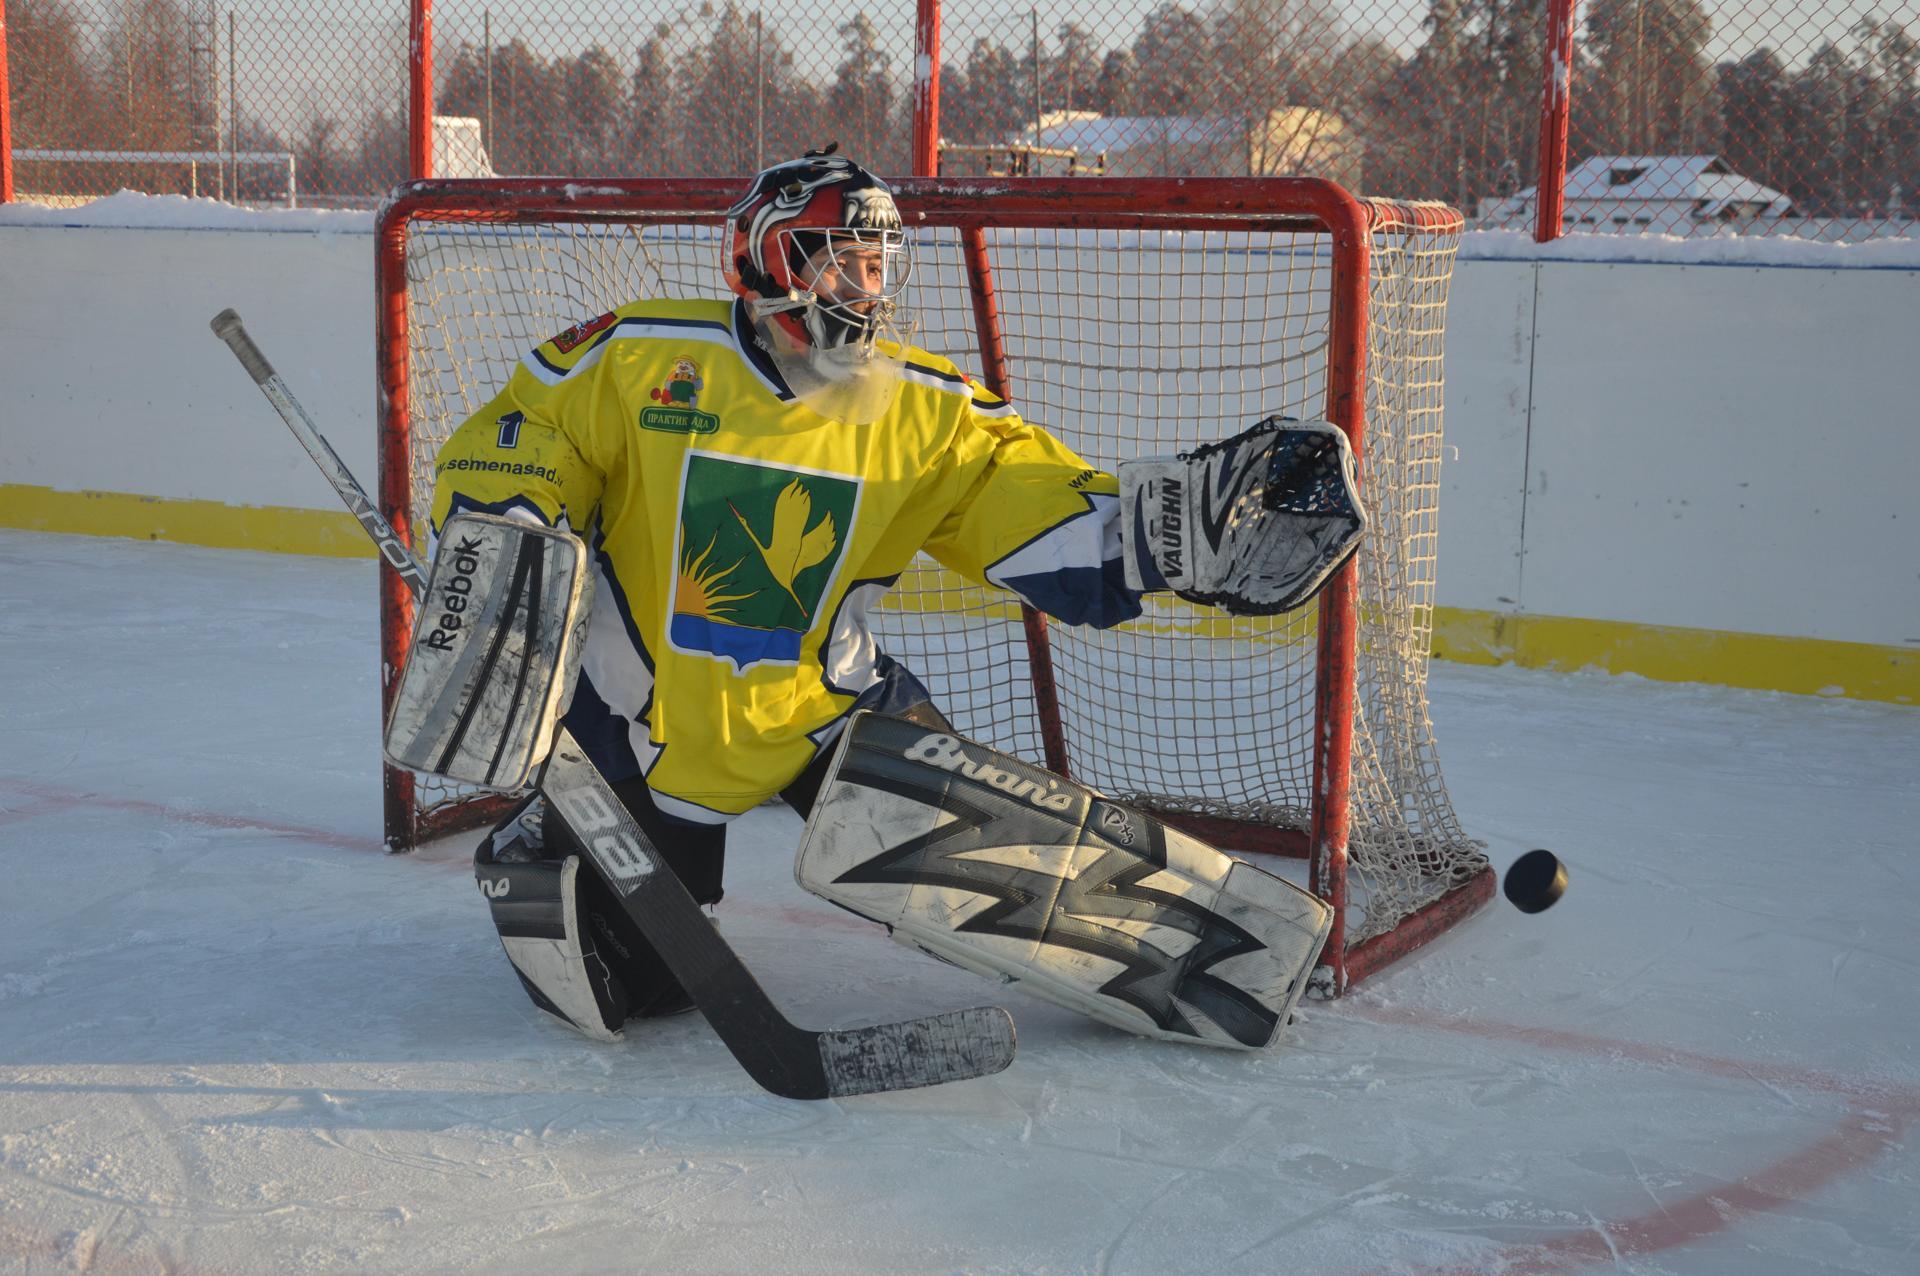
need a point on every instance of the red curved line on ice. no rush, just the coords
(1865, 1091)
(1877, 1117)
(69, 799)
(1860, 1137)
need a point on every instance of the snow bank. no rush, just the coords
(130, 210)
(1705, 250)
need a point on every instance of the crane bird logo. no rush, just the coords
(758, 549)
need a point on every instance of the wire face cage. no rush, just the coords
(1129, 317)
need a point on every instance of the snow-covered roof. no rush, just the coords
(1664, 178)
(1088, 132)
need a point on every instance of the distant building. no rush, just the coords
(458, 148)
(1290, 141)
(1648, 193)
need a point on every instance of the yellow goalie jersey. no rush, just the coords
(739, 538)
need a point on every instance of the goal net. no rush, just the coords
(1130, 317)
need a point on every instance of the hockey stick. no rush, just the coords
(788, 1060)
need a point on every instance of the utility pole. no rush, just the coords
(233, 102)
(1036, 75)
(759, 96)
(203, 83)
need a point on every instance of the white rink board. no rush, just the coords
(116, 383)
(1645, 458)
(1728, 448)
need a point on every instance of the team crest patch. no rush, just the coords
(680, 394)
(759, 545)
(578, 335)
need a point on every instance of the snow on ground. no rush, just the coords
(133, 210)
(236, 1037)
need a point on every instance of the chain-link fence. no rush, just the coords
(1754, 116)
(268, 101)
(1688, 116)
(667, 89)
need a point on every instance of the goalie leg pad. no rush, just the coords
(578, 954)
(536, 908)
(1020, 875)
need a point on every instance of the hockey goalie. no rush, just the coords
(725, 489)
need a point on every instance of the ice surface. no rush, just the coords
(236, 1037)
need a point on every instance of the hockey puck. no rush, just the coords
(1536, 881)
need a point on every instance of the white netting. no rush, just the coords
(1122, 343)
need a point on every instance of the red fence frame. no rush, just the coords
(6, 116)
(420, 89)
(926, 88)
(1556, 100)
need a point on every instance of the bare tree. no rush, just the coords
(1651, 81)
(591, 126)
(861, 97)
(652, 114)
(1170, 56)
(50, 82)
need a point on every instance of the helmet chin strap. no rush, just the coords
(763, 307)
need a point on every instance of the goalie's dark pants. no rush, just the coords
(640, 985)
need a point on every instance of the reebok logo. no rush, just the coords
(453, 597)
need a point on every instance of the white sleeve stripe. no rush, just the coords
(949, 384)
(1086, 539)
(932, 380)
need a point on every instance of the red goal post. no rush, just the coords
(1129, 317)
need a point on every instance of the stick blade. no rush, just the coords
(955, 1046)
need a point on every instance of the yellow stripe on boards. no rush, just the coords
(1669, 653)
(1665, 653)
(270, 528)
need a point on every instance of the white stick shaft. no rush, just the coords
(227, 326)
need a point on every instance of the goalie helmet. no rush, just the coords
(803, 219)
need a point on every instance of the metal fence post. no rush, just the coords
(1550, 188)
(926, 89)
(420, 89)
(6, 116)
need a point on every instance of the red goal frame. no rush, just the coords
(1212, 204)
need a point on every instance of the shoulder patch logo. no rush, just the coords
(680, 395)
(578, 335)
(759, 545)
